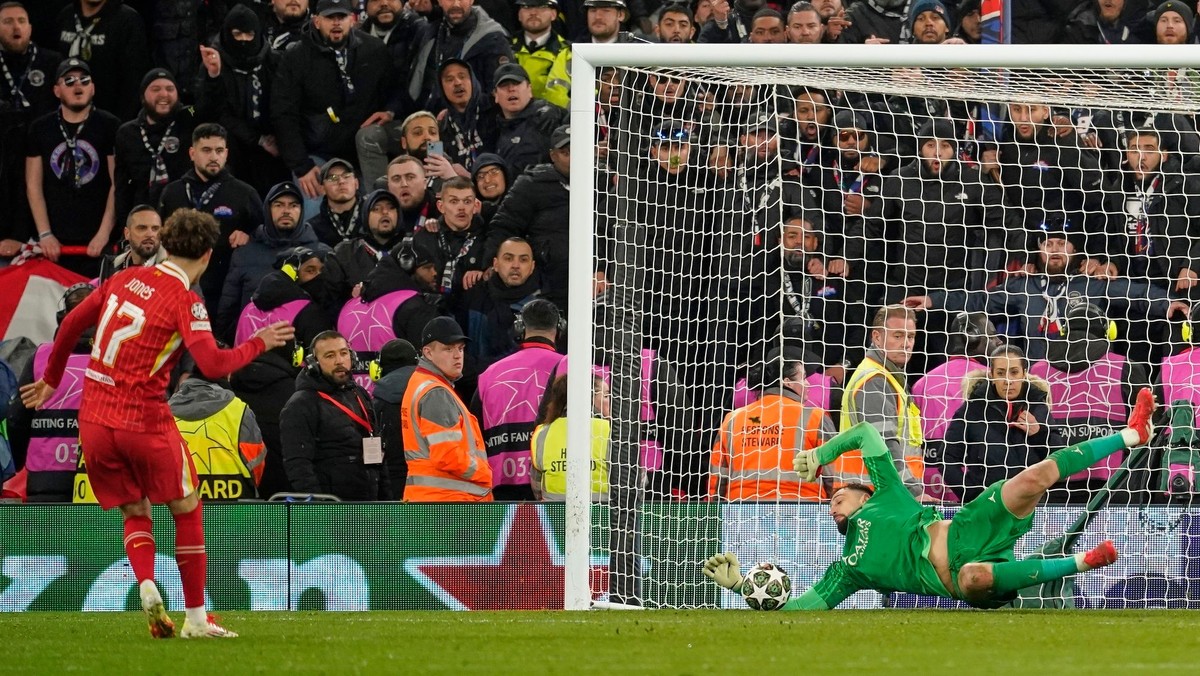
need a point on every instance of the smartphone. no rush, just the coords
(436, 148)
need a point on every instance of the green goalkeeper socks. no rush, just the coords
(1009, 577)
(1083, 455)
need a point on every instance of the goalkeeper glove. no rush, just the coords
(807, 464)
(725, 570)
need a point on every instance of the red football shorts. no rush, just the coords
(124, 466)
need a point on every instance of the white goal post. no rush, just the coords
(1016, 77)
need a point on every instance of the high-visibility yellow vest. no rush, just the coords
(226, 468)
(850, 465)
(549, 448)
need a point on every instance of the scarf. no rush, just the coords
(81, 46)
(14, 84)
(158, 170)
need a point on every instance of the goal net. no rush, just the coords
(746, 221)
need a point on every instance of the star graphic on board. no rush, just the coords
(523, 572)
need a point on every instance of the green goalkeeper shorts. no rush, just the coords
(984, 531)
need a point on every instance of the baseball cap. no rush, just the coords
(670, 130)
(335, 162)
(442, 330)
(71, 64)
(332, 7)
(561, 137)
(511, 72)
(397, 353)
(764, 122)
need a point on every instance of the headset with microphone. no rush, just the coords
(519, 325)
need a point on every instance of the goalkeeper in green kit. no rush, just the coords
(894, 543)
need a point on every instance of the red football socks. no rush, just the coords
(139, 546)
(189, 554)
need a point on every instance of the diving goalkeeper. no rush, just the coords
(894, 543)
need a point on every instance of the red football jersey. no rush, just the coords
(143, 316)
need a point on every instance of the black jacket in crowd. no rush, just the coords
(389, 395)
(928, 219)
(235, 205)
(313, 115)
(266, 384)
(119, 54)
(333, 229)
(1171, 208)
(447, 245)
(413, 314)
(982, 446)
(134, 161)
(1050, 176)
(322, 446)
(537, 209)
(228, 100)
(524, 140)
(36, 65)
(276, 289)
(354, 259)
(487, 311)
(401, 40)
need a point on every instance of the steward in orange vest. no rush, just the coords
(752, 459)
(447, 461)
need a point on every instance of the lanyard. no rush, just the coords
(364, 422)
(200, 203)
(77, 157)
(15, 84)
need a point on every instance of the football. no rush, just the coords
(766, 587)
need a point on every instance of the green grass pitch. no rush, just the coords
(703, 642)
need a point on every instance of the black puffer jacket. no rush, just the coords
(389, 394)
(266, 384)
(524, 139)
(982, 446)
(276, 288)
(536, 209)
(322, 446)
(413, 314)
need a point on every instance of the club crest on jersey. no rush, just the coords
(199, 311)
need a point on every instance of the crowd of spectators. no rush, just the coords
(413, 158)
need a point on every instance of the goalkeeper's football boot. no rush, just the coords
(208, 629)
(160, 623)
(1143, 411)
(1101, 555)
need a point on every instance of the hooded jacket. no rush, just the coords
(253, 261)
(228, 98)
(478, 40)
(354, 259)
(1169, 202)
(323, 446)
(934, 218)
(488, 207)
(983, 447)
(198, 400)
(311, 109)
(119, 52)
(413, 314)
(462, 132)
(276, 289)
(266, 384)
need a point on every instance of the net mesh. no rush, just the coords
(752, 222)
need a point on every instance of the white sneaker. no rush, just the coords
(209, 629)
(160, 623)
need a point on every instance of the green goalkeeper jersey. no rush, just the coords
(887, 539)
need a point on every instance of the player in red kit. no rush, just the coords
(135, 455)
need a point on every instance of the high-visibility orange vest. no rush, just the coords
(752, 459)
(445, 464)
(849, 466)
